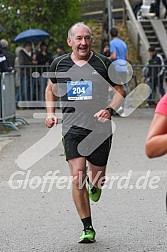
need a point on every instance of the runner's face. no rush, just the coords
(80, 42)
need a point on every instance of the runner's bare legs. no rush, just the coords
(80, 194)
(79, 191)
(96, 175)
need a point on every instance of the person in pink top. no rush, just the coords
(156, 143)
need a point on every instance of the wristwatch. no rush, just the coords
(110, 110)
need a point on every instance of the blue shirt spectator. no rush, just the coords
(119, 57)
(118, 48)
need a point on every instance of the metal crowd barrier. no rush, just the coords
(7, 101)
(31, 89)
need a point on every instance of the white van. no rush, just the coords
(144, 10)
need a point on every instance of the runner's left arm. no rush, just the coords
(106, 113)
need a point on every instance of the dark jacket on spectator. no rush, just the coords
(25, 59)
(3, 63)
(9, 57)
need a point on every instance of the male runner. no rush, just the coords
(86, 125)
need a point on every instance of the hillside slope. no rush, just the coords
(97, 27)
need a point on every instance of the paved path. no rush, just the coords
(127, 217)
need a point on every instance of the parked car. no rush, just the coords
(148, 9)
(141, 8)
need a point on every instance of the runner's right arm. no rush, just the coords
(50, 97)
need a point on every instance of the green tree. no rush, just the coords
(53, 16)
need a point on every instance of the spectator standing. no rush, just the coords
(43, 59)
(26, 62)
(118, 48)
(59, 51)
(155, 74)
(17, 74)
(3, 68)
(9, 55)
(43, 56)
(119, 51)
(3, 63)
(106, 49)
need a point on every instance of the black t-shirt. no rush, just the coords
(83, 91)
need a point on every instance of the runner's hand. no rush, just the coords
(51, 121)
(103, 115)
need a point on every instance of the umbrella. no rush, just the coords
(31, 35)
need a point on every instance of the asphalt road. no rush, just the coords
(36, 215)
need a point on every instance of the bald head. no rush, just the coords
(80, 24)
(80, 40)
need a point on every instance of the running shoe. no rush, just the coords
(88, 235)
(94, 193)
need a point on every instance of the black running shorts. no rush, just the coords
(98, 157)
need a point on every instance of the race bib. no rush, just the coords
(79, 90)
